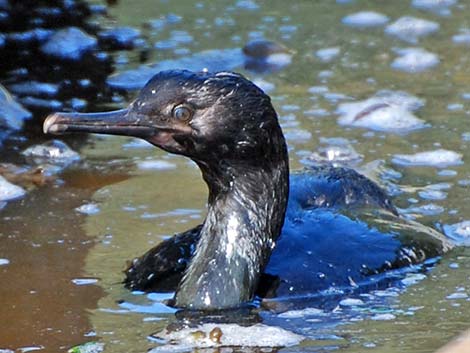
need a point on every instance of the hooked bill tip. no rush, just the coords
(50, 126)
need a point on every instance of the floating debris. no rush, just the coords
(411, 29)
(414, 60)
(365, 19)
(225, 335)
(440, 158)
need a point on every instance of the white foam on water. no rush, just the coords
(458, 232)
(414, 60)
(440, 7)
(351, 302)
(328, 54)
(365, 19)
(440, 158)
(388, 111)
(225, 335)
(410, 29)
(463, 37)
(54, 151)
(295, 314)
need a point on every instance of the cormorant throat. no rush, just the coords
(246, 212)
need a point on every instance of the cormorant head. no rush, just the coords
(205, 116)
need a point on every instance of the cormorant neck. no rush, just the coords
(247, 205)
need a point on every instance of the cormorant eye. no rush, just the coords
(182, 112)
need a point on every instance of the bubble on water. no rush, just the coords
(440, 158)
(365, 19)
(411, 29)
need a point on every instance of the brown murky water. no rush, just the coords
(52, 248)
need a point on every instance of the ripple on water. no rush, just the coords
(410, 29)
(365, 19)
